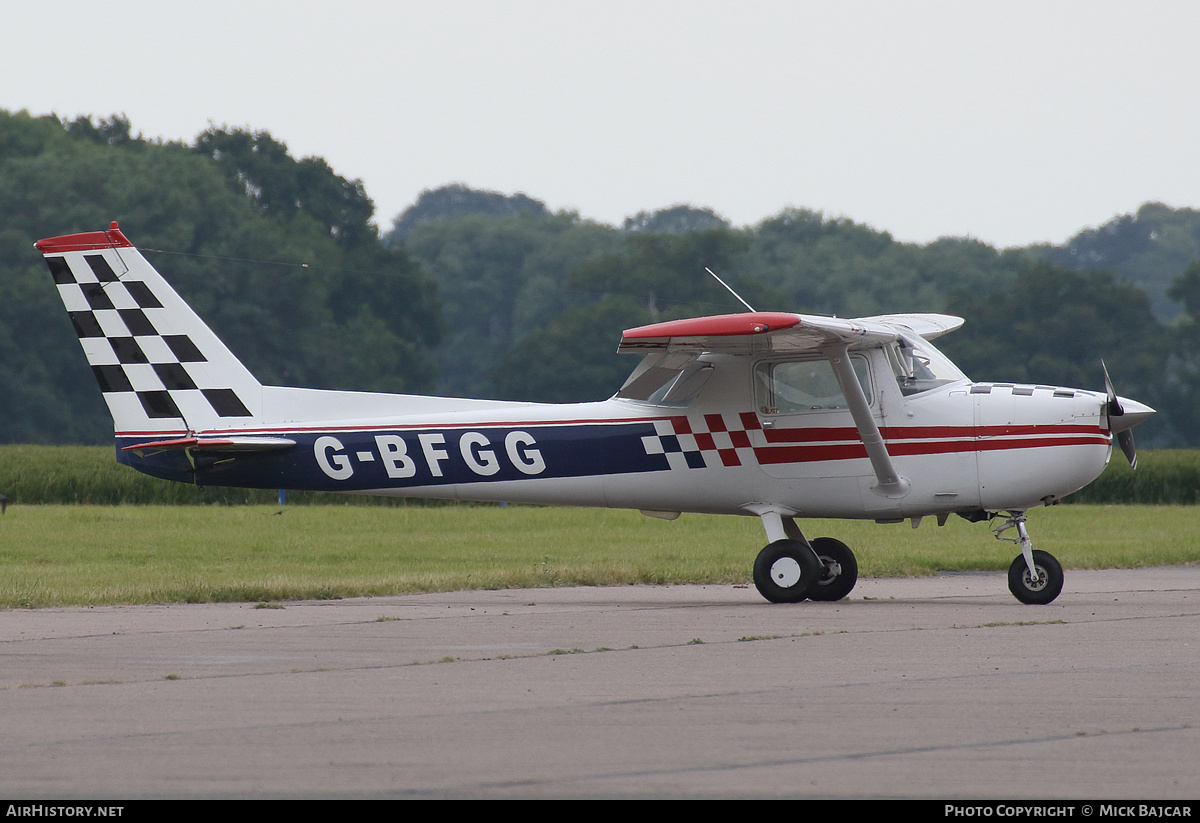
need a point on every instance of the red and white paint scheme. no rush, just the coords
(772, 415)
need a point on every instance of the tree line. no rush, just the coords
(482, 294)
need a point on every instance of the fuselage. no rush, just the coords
(743, 432)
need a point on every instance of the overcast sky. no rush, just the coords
(1012, 122)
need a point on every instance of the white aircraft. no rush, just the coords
(768, 414)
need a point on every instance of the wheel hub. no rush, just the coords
(830, 570)
(785, 572)
(1040, 583)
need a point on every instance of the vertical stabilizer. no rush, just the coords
(160, 367)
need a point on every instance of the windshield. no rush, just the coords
(919, 367)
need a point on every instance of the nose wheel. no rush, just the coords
(1042, 589)
(1035, 577)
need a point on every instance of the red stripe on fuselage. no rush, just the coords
(892, 433)
(910, 443)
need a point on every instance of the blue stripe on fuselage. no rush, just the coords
(352, 460)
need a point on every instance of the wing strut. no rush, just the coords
(891, 484)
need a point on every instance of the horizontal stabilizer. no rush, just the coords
(215, 444)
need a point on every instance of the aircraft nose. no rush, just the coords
(1132, 413)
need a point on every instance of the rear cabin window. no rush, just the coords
(666, 380)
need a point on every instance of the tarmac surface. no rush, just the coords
(941, 687)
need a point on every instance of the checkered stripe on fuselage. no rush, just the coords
(704, 442)
(112, 318)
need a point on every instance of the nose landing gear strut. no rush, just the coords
(1034, 576)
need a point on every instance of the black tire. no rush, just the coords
(785, 571)
(833, 585)
(1048, 585)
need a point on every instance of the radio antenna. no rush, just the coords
(731, 291)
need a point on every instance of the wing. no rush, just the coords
(755, 332)
(928, 326)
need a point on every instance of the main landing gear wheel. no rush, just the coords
(839, 570)
(786, 571)
(1043, 590)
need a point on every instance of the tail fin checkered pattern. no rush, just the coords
(159, 366)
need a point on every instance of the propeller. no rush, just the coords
(1123, 415)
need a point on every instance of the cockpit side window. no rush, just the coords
(792, 386)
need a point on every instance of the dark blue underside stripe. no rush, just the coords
(564, 451)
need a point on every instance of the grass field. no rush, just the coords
(88, 555)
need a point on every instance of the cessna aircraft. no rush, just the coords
(769, 414)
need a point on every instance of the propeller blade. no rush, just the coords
(1125, 439)
(1114, 404)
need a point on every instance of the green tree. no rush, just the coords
(651, 277)
(260, 166)
(666, 273)
(114, 131)
(1181, 392)
(574, 358)
(499, 277)
(843, 268)
(674, 220)
(1150, 247)
(457, 200)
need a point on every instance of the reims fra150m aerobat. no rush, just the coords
(769, 414)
